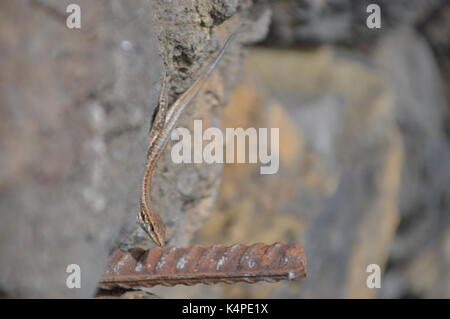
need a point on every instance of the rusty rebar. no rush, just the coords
(206, 265)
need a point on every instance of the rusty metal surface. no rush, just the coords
(206, 265)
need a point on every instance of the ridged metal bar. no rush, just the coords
(206, 265)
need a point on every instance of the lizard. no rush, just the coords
(163, 123)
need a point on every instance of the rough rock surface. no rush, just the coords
(74, 113)
(186, 193)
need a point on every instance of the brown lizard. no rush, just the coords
(162, 126)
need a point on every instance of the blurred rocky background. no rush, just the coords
(364, 119)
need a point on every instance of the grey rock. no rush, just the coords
(421, 111)
(74, 115)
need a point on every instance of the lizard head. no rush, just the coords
(155, 228)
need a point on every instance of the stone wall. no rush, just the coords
(364, 118)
